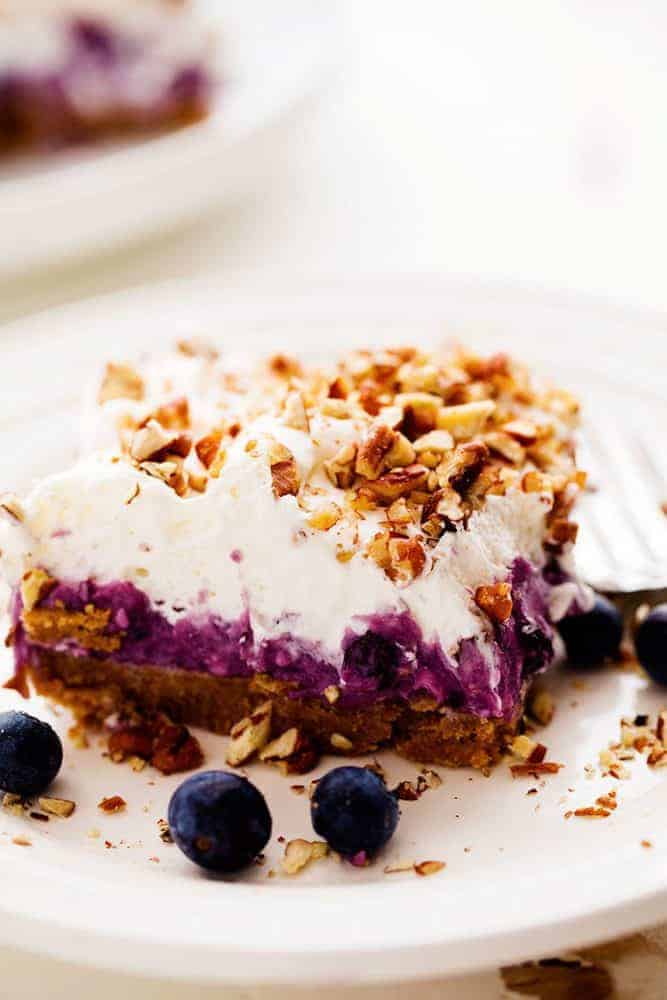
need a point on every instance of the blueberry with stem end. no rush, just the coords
(31, 754)
(219, 820)
(593, 636)
(651, 644)
(353, 810)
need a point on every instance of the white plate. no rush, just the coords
(273, 58)
(520, 879)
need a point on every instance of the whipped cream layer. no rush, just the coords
(237, 548)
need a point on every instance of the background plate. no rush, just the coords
(520, 879)
(273, 58)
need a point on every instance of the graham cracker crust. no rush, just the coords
(95, 688)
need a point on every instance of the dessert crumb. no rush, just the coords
(112, 804)
(165, 832)
(425, 868)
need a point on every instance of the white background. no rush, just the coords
(522, 140)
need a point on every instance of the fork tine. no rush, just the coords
(624, 537)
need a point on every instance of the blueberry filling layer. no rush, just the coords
(384, 656)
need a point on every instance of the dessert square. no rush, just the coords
(379, 548)
(76, 70)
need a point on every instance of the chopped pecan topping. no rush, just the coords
(153, 442)
(341, 468)
(325, 517)
(295, 412)
(466, 419)
(120, 382)
(373, 452)
(507, 446)
(429, 867)
(397, 483)
(460, 468)
(207, 447)
(299, 853)
(340, 742)
(35, 585)
(417, 440)
(112, 804)
(438, 441)
(293, 752)
(174, 416)
(166, 745)
(442, 511)
(249, 735)
(524, 431)
(495, 600)
(169, 472)
(407, 558)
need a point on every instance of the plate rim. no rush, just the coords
(613, 912)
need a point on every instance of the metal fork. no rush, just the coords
(622, 545)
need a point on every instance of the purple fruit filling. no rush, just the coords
(101, 82)
(384, 656)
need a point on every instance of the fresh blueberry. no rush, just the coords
(651, 643)
(354, 811)
(30, 754)
(372, 656)
(219, 820)
(593, 636)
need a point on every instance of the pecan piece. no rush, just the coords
(299, 853)
(249, 735)
(174, 416)
(112, 804)
(167, 746)
(407, 558)
(208, 446)
(295, 412)
(340, 468)
(442, 512)
(461, 467)
(325, 517)
(495, 600)
(398, 483)
(292, 751)
(176, 749)
(120, 382)
(466, 419)
(373, 452)
(524, 431)
(284, 471)
(153, 442)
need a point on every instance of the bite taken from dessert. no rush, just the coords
(371, 554)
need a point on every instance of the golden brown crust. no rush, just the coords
(85, 628)
(95, 688)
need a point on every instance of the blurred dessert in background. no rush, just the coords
(72, 71)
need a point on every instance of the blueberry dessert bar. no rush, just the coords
(76, 70)
(380, 548)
